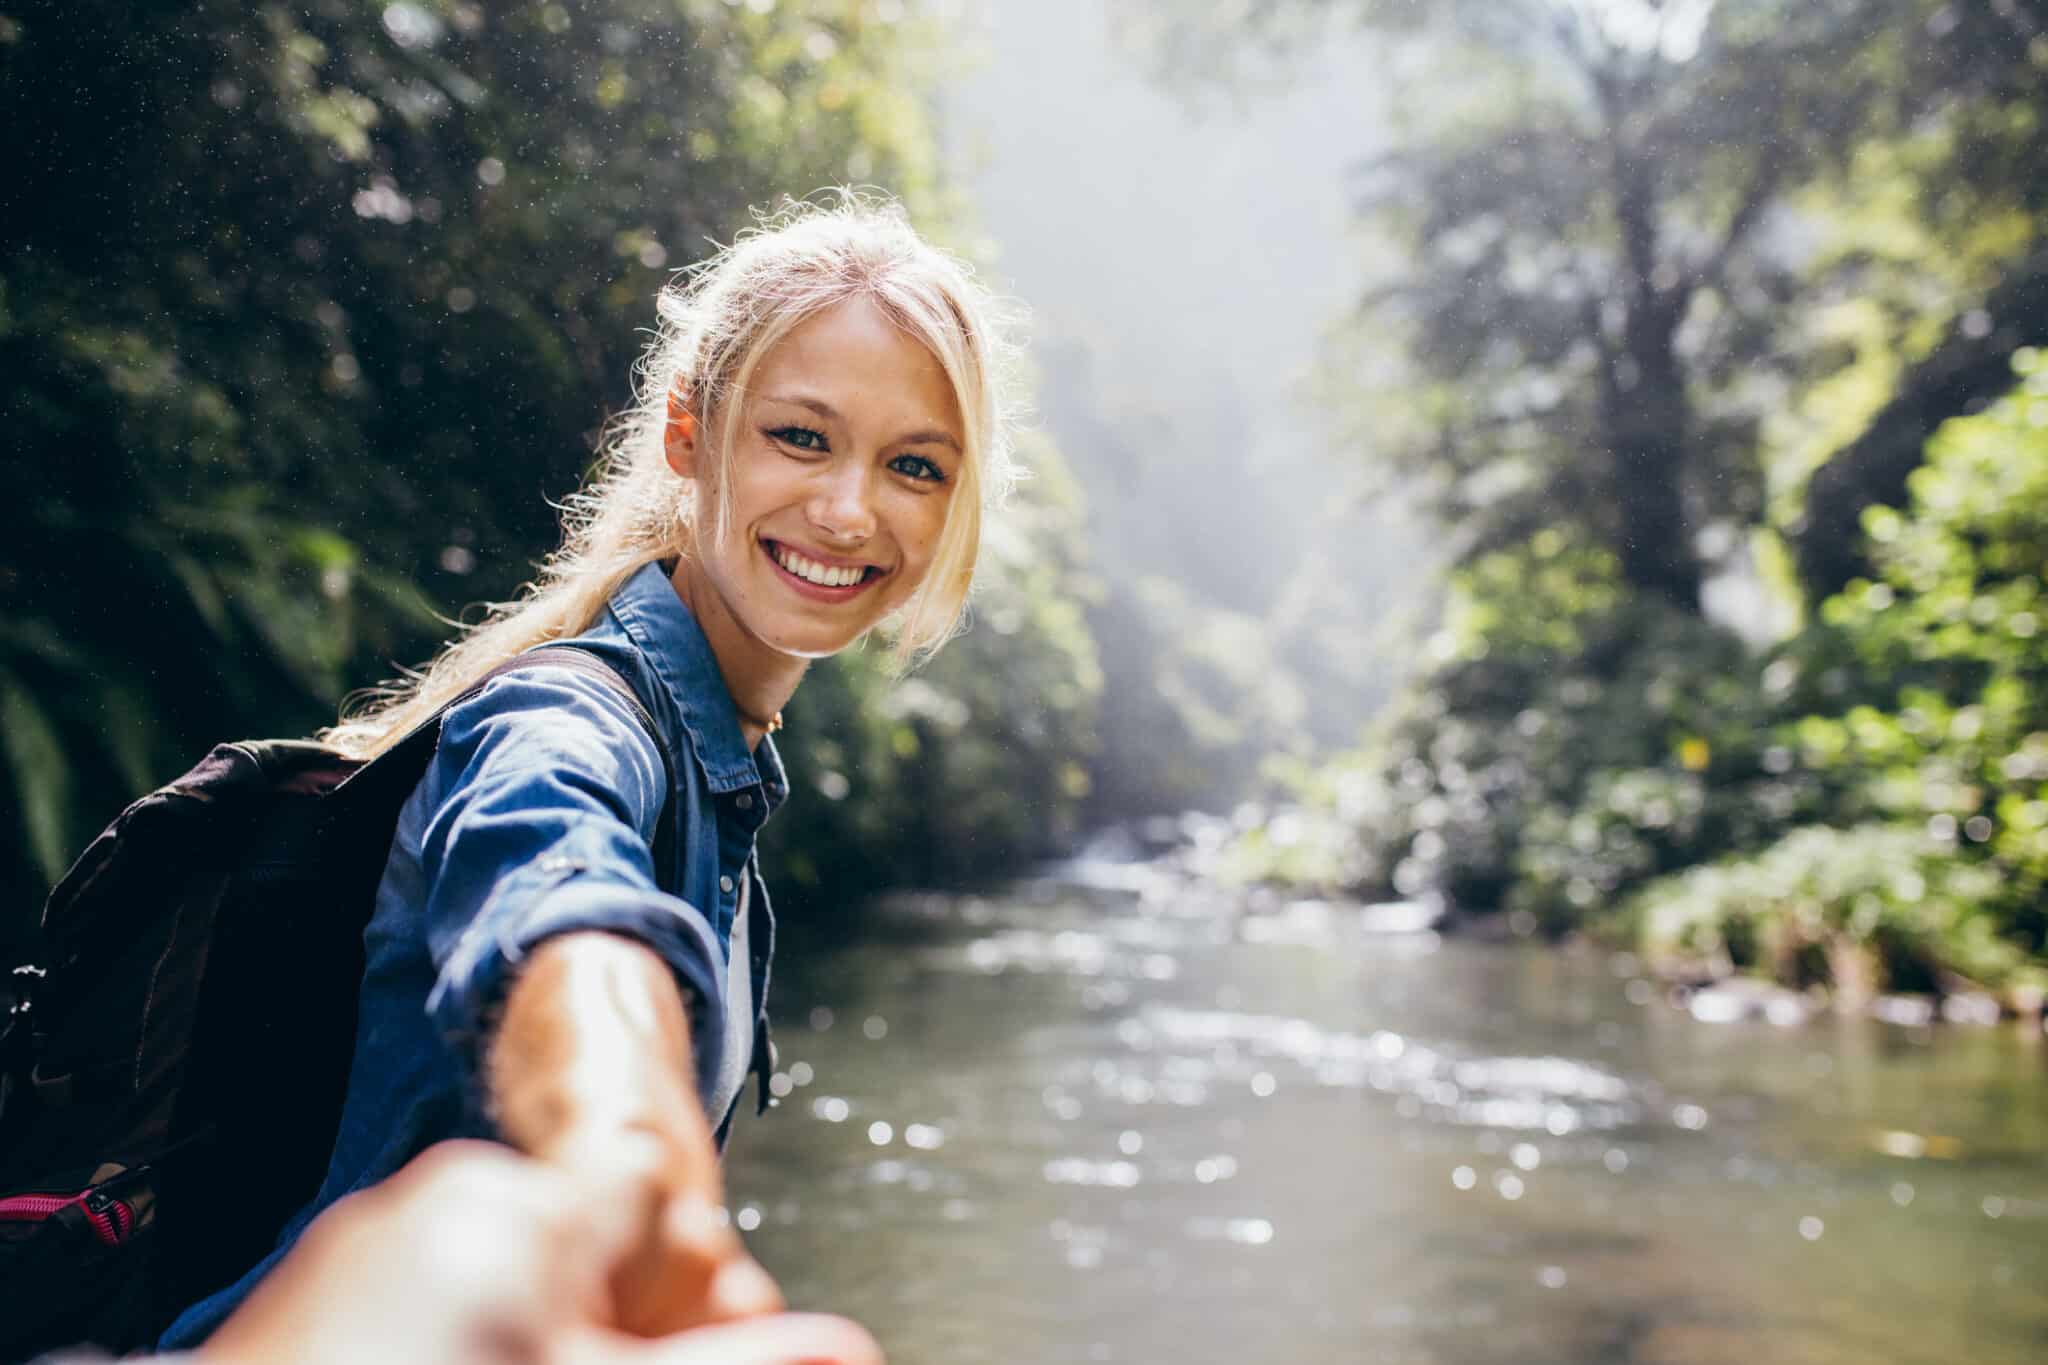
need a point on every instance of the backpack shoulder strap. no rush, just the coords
(579, 661)
(404, 763)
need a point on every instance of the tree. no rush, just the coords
(1971, 365)
(1582, 290)
(1603, 223)
(307, 309)
(1975, 146)
(1619, 236)
(1930, 859)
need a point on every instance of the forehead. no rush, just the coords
(854, 357)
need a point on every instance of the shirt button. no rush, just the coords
(746, 801)
(725, 884)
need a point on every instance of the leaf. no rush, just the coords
(132, 733)
(42, 778)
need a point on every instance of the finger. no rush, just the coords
(783, 1339)
(694, 1226)
(541, 1239)
(664, 1284)
(744, 1290)
(621, 1176)
(618, 1208)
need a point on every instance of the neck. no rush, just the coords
(759, 680)
(754, 727)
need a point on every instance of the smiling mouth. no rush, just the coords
(836, 581)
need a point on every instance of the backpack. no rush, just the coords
(169, 1092)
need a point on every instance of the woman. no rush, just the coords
(818, 429)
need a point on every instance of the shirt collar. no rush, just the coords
(669, 638)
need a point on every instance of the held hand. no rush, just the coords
(683, 1265)
(688, 1270)
(784, 1339)
(467, 1255)
(590, 1071)
(475, 1256)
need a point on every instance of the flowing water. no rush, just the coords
(1104, 1118)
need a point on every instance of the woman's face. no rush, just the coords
(848, 449)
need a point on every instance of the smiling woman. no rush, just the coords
(849, 446)
(571, 939)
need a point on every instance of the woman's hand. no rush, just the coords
(683, 1266)
(473, 1255)
(590, 1070)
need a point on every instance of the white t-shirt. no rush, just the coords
(739, 1015)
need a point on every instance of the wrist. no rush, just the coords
(673, 1153)
(594, 1040)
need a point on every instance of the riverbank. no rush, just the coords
(1275, 864)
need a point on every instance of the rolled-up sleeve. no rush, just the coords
(550, 792)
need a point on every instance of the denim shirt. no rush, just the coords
(537, 817)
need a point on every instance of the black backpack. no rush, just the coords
(173, 1062)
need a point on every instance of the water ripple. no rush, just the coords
(1558, 1095)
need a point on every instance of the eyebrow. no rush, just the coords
(831, 414)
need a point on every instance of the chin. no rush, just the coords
(813, 653)
(811, 644)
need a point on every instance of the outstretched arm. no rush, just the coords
(588, 1000)
(590, 1068)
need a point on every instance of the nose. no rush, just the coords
(841, 506)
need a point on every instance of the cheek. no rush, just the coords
(919, 534)
(931, 521)
(920, 547)
(762, 479)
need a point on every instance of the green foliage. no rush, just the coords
(307, 310)
(1570, 739)
(1913, 721)
(1665, 284)
(1618, 235)
(1865, 806)
(1582, 316)
(1873, 907)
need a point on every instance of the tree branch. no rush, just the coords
(1964, 372)
(1763, 187)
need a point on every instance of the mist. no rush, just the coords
(1185, 254)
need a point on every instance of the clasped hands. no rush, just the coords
(605, 1244)
(475, 1255)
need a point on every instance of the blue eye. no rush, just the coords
(919, 468)
(801, 438)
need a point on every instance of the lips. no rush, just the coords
(819, 577)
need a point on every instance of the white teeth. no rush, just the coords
(816, 573)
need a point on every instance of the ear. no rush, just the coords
(680, 437)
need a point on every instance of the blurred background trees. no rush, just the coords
(1687, 315)
(1700, 335)
(306, 311)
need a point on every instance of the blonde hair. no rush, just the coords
(716, 322)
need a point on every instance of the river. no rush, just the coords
(1103, 1117)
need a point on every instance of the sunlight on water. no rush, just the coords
(1551, 1094)
(1096, 1120)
